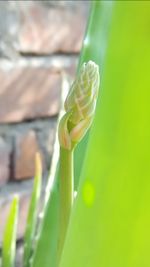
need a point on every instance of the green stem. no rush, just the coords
(66, 194)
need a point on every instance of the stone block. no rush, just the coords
(29, 93)
(26, 146)
(4, 161)
(52, 28)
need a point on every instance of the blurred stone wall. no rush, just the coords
(39, 42)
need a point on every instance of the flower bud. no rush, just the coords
(80, 106)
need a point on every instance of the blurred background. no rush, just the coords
(40, 43)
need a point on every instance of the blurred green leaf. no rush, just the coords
(33, 211)
(9, 238)
(110, 224)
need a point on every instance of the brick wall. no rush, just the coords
(40, 42)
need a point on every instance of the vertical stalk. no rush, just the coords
(66, 194)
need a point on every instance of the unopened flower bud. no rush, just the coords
(80, 106)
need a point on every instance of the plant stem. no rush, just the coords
(66, 194)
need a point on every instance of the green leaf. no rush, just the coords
(45, 251)
(9, 238)
(94, 47)
(96, 35)
(110, 224)
(33, 211)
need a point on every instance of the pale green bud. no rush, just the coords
(80, 106)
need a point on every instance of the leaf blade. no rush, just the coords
(115, 218)
(9, 238)
(48, 235)
(33, 211)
